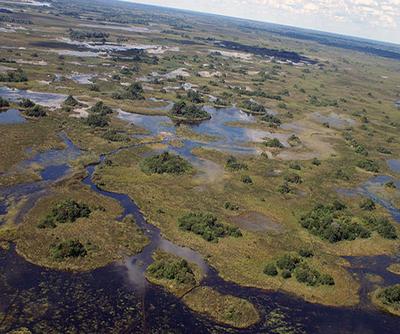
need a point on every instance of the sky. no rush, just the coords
(374, 19)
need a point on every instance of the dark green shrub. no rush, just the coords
(4, 103)
(368, 205)
(115, 136)
(293, 178)
(270, 270)
(189, 112)
(207, 226)
(288, 262)
(284, 188)
(194, 96)
(316, 162)
(330, 223)
(36, 111)
(391, 296)
(67, 249)
(368, 165)
(67, 211)
(253, 106)
(14, 76)
(71, 101)
(233, 165)
(286, 274)
(101, 109)
(246, 179)
(97, 120)
(382, 226)
(26, 103)
(295, 165)
(177, 270)
(231, 206)
(165, 163)
(306, 252)
(273, 143)
(271, 119)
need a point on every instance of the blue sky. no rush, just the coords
(375, 19)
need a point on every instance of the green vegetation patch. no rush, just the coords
(233, 164)
(388, 298)
(66, 249)
(4, 103)
(14, 76)
(165, 163)
(225, 309)
(67, 211)
(289, 265)
(183, 111)
(174, 273)
(207, 225)
(333, 223)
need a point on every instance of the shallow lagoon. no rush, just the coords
(45, 99)
(11, 116)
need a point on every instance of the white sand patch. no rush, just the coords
(207, 74)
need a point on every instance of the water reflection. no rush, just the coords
(11, 116)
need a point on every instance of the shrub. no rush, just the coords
(294, 140)
(26, 103)
(14, 76)
(134, 92)
(194, 96)
(101, 109)
(274, 143)
(231, 206)
(316, 162)
(253, 106)
(368, 205)
(330, 224)
(390, 185)
(67, 249)
(246, 179)
(384, 150)
(115, 136)
(36, 111)
(67, 211)
(71, 101)
(270, 270)
(233, 165)
(207, 226)
(306, 252)
(286, 274)
(293, 178)
(368, 165)
(177, 270)
(391, 296)
(382, 226)
(4, 103)
(284, 188)
(189, 112)
(165, 163)
(295, 165)
(97, 120)
(288, 262)
(271, 119)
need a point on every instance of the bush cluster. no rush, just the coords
(331, 223)
(66, 249)
(165, 163)
(273, 143)
(391, 296)
(67, 211)
(177, 270)
(14, 76)
(190, 112)
(253, 107)
(382, 226)
(4, 103)
(207, 225)
(233, 164)
(289, 264)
